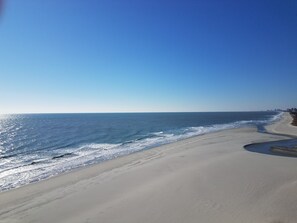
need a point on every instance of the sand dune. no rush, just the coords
(209, 178)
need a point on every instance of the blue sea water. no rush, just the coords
(37, 146)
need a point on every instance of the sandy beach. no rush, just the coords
(283, 126)
(209, 178)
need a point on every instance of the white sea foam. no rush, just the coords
(23, 169)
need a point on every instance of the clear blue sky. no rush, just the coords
(139, 55)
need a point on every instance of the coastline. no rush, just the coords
(283, 126)
(208, 178)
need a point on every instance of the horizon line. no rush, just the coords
(135, 112)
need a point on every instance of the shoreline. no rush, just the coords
(77, 168)
(181, 181)
(283, 126)
(78, 150)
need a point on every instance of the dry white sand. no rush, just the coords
(206, 179)
(283, 126)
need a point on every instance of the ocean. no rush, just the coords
(34, 147)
